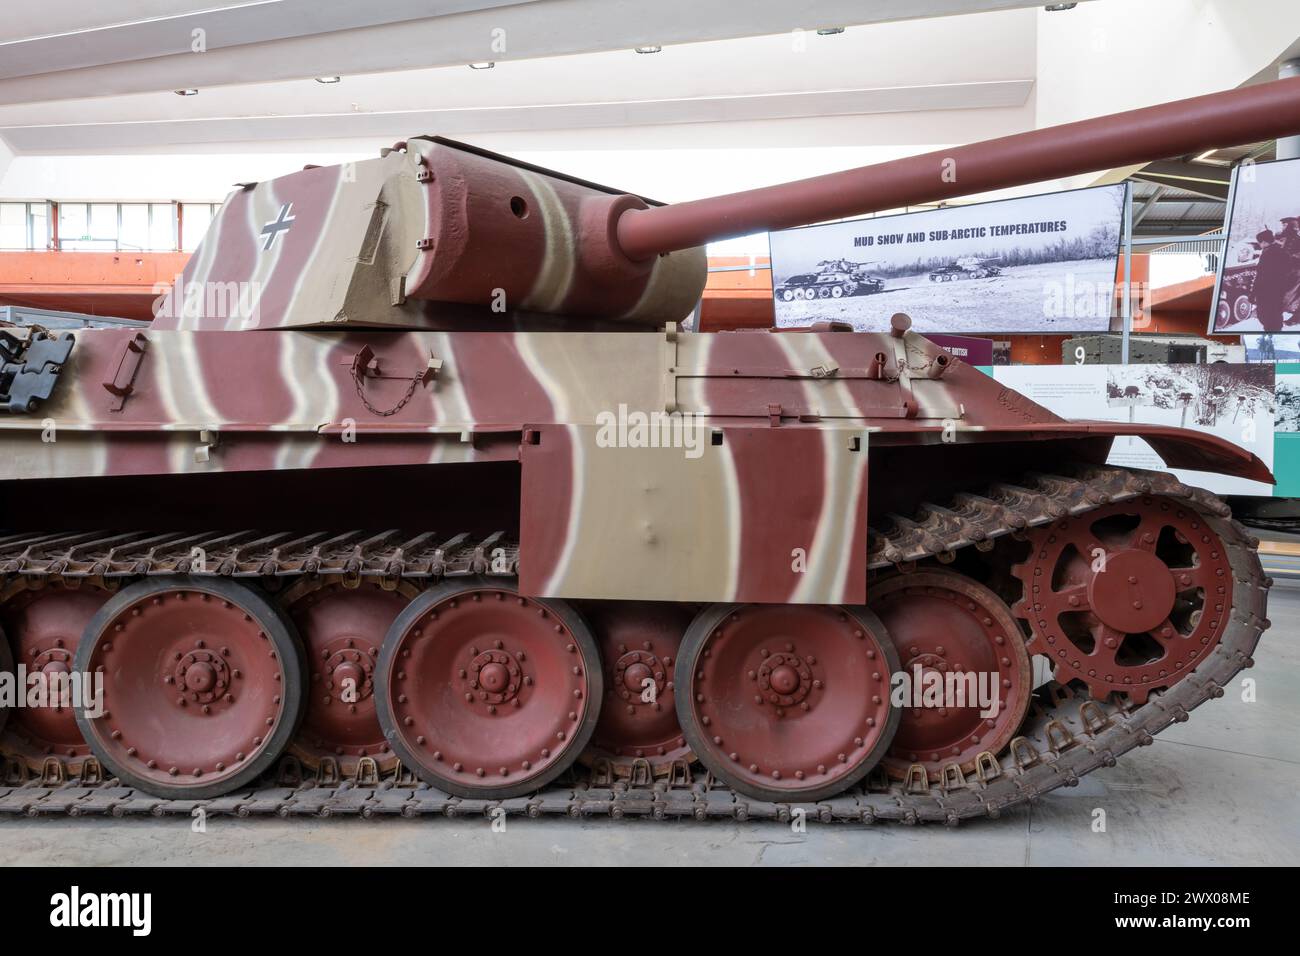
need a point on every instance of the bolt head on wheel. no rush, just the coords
(486, 693)
(787, 702)
(202, 685)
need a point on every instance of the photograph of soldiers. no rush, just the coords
(1259, 279)
(1290, 242)
(1273, 277)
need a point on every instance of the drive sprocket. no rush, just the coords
(1128, 597)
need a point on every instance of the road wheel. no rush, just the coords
(1242, 308)
(486, 693)
(787, 702)
(203, 683)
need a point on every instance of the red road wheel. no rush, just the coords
(342, 630)
(203, 685)
(638, 643)
(45, 627)
(787, 702)
(959, 645)
(485, 693)
(1129, 597)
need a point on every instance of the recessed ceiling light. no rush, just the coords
(648, 49)
(328, 79)
(482, 66)
(186, 92)
(1058, 7)
(1206, 156)
(829, 31)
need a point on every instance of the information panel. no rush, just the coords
(1235, 402)
(1040, 264)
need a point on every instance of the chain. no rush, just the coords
(358, 380)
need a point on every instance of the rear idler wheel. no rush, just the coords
(342, 630)
(486, 693)
(787, 702)
(45, 627)
(638, 728)
(203, 683)
(968, 676)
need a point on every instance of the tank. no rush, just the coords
(415, 497)
(834, 278)
(968, 267)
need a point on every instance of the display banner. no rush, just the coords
(1041, 264)
(972, 351)
(1234, 402)
(1258, 285)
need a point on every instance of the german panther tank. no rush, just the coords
(415, 497)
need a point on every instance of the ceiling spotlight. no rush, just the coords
(482, 66)
(328, 79)
(1058, 7)
(648, 49)
(186, 92)
(829, 31)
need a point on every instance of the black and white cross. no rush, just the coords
(280, 224)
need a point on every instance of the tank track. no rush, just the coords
(1064, 737)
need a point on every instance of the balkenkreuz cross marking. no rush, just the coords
(280, 224)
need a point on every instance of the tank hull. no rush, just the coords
(482, 512)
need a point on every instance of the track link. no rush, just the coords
(1065, 736)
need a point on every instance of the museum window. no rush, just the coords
(105, 226)
(24, 226)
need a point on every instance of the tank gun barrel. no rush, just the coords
(1232, 118)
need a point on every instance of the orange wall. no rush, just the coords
(97, 283)
(737, 300)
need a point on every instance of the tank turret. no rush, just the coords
(435, 234)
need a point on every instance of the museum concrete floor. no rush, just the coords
(1223, 788)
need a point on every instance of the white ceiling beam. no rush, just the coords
(542, 28)
(210, 28)
(90, 137)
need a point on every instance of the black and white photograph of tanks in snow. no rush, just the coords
(1258, 286)
(1037, 264)
(1234, 402)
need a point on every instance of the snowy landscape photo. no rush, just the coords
(1040, 264)
(1288, 404)
(1232, 401)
